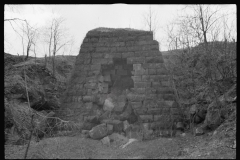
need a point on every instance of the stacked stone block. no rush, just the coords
(120, 59)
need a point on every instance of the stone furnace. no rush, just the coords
(120, 74)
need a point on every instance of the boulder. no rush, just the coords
(198, 131)
(108, 104)
(99, 131)
(118, 139)
(106, 141)
(180, 126)
(215, 115)
(117, 124)
(213, 119)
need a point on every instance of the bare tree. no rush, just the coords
(55, 38)
(151, 21)
(31, 37)
(204, 60)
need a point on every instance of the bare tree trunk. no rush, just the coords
(35, 55)
(176, 43)
(53, 65)
(45, 60)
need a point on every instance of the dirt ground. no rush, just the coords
(187, 147)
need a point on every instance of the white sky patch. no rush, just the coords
(79, 19)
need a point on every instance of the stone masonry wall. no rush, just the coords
(125, 67)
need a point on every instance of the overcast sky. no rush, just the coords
(79, 19)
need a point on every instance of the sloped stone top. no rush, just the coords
(102, 31)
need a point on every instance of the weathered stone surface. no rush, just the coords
(117, 124)
(180, 126)
(136, 105)
(135, 97)
(174, 111)
(118, 139)
(137, 78)
(169, 97)
(157, 59)
(98, 131)
(138, 90)
(154, 111)
(106, 141)
(108, 105)
(89, 99)
(140, 111)
(146, 118)
(198, 131)
(142, 84)
(150, 104)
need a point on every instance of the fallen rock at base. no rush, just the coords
(105, 141)
(117, 124)
(198, 131)
(118, 139)
(213, 118)
(108, 104)
(99, 131)
(180, 126)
